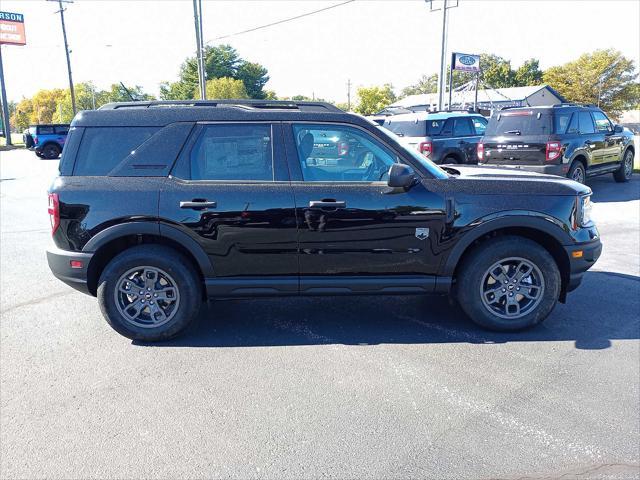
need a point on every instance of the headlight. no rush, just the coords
(585, 206)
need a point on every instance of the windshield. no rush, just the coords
(431, 167)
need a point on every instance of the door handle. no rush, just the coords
(327, 204)
(198, 204)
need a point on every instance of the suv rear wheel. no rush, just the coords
(149, 293)
(577, 172)
(51, 151)
(623, 174)
(508, 284)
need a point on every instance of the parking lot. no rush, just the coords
(385, 387)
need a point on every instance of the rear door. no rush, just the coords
(355, 233)
(517, 137)
(230, 192)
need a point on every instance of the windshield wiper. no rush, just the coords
(516, 132)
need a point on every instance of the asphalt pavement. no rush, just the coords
(366, 387)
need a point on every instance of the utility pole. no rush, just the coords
(66, 51)
(348, 95)
(446, 4)
(197, 18)
(5, 106)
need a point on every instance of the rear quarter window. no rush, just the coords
(102, 148)
(520, 122)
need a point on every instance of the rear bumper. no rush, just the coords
(60, 265)
(581, 262)
(560, 170)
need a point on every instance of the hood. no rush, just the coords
(490, 180)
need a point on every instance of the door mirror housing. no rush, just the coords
(618, 129)
(401, 176)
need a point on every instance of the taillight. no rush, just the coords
(425, 148)
(553, 151)
(54, 212)
(35, 140)
(480, 151)
(343, 149)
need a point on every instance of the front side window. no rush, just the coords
(339, 153)
(233, 152)
(586, 123)
(603, 125)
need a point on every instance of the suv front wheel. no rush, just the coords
(508, 284)
(623, 174)
(149, 293)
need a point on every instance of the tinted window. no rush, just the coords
(340, 154)
(561, 122)
(520, 122)
(233, 152)
(603, 125)
(462, 128)
(45, 130)
(103, 148)
(447, 128)
(414, 128)
(62, 130)
(480, 125)
(586, 123)
(574, 126)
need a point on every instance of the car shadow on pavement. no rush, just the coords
(606, 189)
(606, 307)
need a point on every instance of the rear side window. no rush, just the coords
(520, 122)
(61, 130)
(45, 130)
(586, 123)
(233, 152)
(102, 148)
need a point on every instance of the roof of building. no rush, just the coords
(497, 95)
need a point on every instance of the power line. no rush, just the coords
(280, 21)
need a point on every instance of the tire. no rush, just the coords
(39, 155)
(131, 315)
(623, 174)
(495, 313)
(51, 151)
(577, 172)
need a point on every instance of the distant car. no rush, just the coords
(572, 140)
(443, 137)
(46, 140)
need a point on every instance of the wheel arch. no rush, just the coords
(546, 234)
(114, 240)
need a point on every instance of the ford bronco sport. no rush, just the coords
(159, 205)
(572, 140)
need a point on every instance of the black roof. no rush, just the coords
(160, 113)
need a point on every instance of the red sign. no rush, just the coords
(12, 29)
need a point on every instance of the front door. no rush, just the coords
(355, 233)
(230, 192)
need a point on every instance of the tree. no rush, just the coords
(221, 61)
(226, 87)
(528, 73)
(374, 99)
(603, 77)
(426, 84)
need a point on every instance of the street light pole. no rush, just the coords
(442, 81)
(66, 51)
(5, 106)
(197, 18)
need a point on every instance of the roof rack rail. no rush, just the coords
(574, 104)
(231, 103)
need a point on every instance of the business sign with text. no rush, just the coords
(12, 29)
(466, 63)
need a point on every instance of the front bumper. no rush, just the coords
(60, 265)
(579, 263)
(560, 170)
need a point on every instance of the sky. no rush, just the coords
(143, 42)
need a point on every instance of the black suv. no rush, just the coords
(160, 205)
(577, 141)
(443, 137)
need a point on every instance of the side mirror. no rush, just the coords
(401, 176)
(618, 129)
